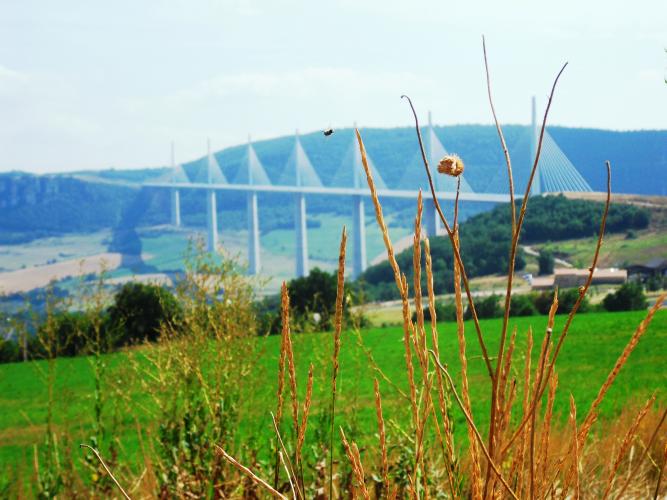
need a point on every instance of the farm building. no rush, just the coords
(572, 278)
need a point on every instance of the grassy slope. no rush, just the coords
(594, 344)
(617, 250)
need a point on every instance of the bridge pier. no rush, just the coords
(211, 222)
(432, 222)
(254, 263)
(300, 230)
(175, 208)
(359, 228)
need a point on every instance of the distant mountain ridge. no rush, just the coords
(639, 158)
(33, 206)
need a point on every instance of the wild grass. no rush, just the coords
(453, 414)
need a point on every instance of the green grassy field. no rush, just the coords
(616, 251)
(594, 343)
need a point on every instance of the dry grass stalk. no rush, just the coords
(355, 460)
(419, 338)
(519, 457)
(378, 214)
(407, 325)
(582, 293)
(99, 458)
(510, 273)
(625, 444)
(442, 404)
(401, 282)
(306, 411)
(471, 425)
(644, 454)
(284, 457)
(383, 437)
(289, 476)
(289, 354)
(256, 479)
(543, 458)
(544, 356)
(503, 144)
(505, 402)
(575, 449)
(284, 311)
(662, 472)
(476, 475)
(450, 233)
(338, 325)
(584, 289)
(504, 376)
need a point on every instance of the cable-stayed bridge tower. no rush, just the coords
(252, 173)
(555, 172)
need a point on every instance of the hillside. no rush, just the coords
(37, 206)
(485, 239)
(635, 155)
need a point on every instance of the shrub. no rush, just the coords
(542, 302)
(522, 305)
(444, 311)
(139, 310)
(655, 283)
(9, 351)
(629, 297)
(567, 298)
(546, 262)
(488, 307)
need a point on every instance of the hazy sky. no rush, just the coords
(92, 84)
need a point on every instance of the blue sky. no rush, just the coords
(92, 84)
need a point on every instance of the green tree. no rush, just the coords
(522, 305)
(629, 297)
(488, 307)
(139, 310)
(546, 261)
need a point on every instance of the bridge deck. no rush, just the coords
(335, 191)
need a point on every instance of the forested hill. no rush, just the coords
(485, 239)
(639, 158)
(34, 206)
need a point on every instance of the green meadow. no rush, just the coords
(593, 345)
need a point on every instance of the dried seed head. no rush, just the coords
(451, 165)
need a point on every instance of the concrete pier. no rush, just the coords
(175, 193)
(211, 221)
(359, 229)
(175, 208)
(431, 220)
(300, 230)
(254, 262)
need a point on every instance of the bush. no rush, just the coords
(542, 302)
(630, 297)
(566, 300)
(139, 310)
(488, 307)
(522, 305)
(443, 312)
(9, 351)
(655, 283)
